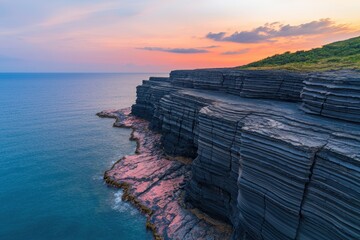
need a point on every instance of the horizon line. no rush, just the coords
(83, 72)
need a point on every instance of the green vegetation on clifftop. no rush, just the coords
(334, 56)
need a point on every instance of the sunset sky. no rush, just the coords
(160, 35)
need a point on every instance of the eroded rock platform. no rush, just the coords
(154, 183)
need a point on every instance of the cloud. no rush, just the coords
(238, 52)
(74, 14)
(176, 50)
(210, 47)
(216, 36)
(37, 17)
(270, 31)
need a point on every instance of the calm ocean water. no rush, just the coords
(53, 152)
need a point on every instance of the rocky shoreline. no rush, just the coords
(275, 154)
(154, 183)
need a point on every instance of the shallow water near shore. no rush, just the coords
(54, 151)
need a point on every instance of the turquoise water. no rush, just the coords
(53, 152)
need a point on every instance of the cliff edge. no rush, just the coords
(276, 154)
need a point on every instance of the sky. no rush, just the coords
(161, 35)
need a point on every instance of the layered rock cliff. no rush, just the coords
(276, 153)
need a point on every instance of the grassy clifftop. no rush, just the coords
(334, 56)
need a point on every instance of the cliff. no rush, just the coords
(276, 153)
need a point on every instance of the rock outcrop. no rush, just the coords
(154, 183)
(261, 162)
(333, 94)
(252, 84)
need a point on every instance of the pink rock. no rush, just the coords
(153, 181)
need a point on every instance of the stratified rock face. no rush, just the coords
(275, 85)
(273, 150)
(276, 165)
(149, 94)
(210, 80)
(260, 161)
(333, 94)
(282, 85)
(177, 114)
(331, 207)
(215, 170)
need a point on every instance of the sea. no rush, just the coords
(53, 154)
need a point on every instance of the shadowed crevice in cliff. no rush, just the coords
(306, 190)
(154, 183)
